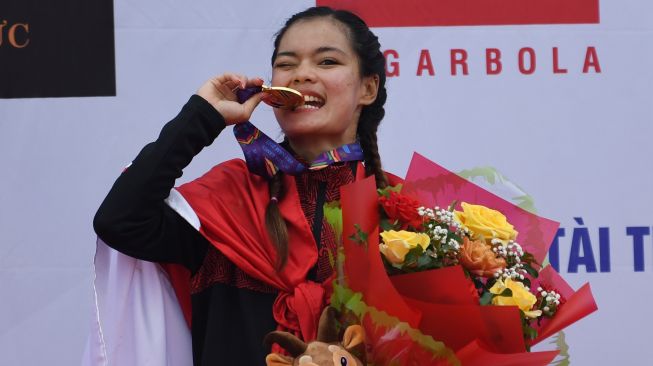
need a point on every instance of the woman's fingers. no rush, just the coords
(235, 79)
(251, 104)
(254, 82)
(227, 90)
(221, 90)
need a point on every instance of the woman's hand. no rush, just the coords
(220, 91)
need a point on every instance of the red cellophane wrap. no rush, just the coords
(434, 317)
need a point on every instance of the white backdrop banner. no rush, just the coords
(550, 97)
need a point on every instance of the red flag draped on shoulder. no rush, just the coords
(230, 203)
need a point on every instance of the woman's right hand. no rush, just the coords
(220, 91)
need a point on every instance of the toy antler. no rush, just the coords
(326, 331)
(289, 342)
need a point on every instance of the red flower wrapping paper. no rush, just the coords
(434, 317)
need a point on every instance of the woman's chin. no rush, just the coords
(297, 127)
(297, 132)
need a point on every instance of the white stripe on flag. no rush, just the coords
(137, 319)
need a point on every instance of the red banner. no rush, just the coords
(420, 13)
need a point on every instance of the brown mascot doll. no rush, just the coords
(327, 350)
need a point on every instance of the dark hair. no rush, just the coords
(372, 62)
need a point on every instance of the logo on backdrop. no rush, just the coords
(490, 60)
(56, 48)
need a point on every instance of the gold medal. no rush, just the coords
(282, 97)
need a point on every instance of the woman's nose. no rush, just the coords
(304, 73)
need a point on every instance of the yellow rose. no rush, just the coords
(396, 244)
(521, 297)
(485, 223)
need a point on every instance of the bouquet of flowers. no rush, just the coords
(434, 284)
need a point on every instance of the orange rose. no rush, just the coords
(479, 258)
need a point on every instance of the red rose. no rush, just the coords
(403, 209)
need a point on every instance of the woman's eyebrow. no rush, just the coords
(329, 49)
(287, 53)
(319, 50)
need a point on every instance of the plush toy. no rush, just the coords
(325, 351)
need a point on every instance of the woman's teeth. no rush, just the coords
(311, 98)
(308, 106)
(311, 102)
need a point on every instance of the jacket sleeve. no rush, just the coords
(133, 218)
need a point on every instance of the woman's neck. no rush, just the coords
(309, 149)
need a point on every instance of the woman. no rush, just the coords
(260, 260)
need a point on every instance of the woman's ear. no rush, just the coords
(370, 88)
(275, 359)
(354, 335)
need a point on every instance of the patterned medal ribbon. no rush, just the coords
(265, 156)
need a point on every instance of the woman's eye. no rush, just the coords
(328, 61)
(282, 65)
(343, 361)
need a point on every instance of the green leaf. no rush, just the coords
(528, 258)
(333, 216)
(491, 175)
(412, 257)
(530, 270)
(530, 332)
(386, 225)
(332, 260)
(424, 261)
(359, 237)
(486, 298)
(341, 256)
(339, 296)
(486, 172)
(506, 293)
(386, 191)
(525, 202)
(452, 206)
(563, 357)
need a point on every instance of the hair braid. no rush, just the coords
(373, 166)
(274, 222)
(372, 63)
